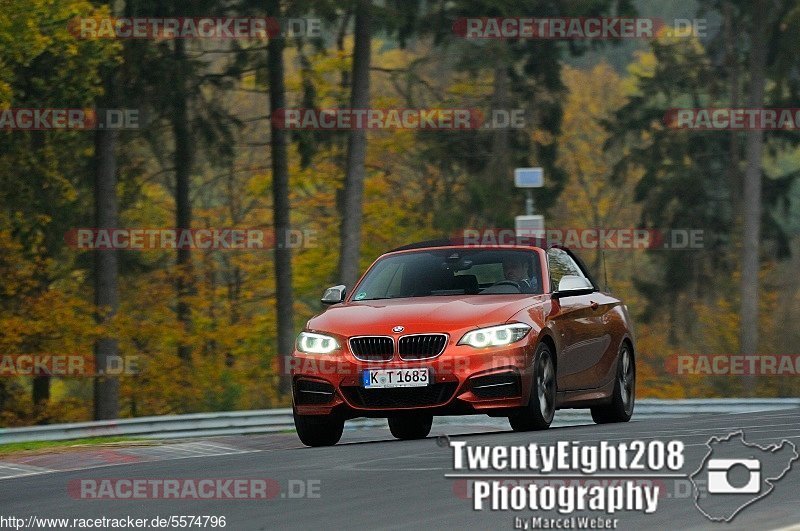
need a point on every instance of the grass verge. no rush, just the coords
(12, 448)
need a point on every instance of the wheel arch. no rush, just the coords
(548, 340)
(626, 339)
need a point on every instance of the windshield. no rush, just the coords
(438, 272)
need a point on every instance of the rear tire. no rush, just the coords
(412, 427)
(624, 396)
(319, 430)
(541, 408)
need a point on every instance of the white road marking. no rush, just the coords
(167, 452)
(15, 470)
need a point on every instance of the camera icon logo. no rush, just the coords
(719, 476)
(735, 474)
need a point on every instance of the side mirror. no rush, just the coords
(570, 285)
(334, 295)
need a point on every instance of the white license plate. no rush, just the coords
(382, 378)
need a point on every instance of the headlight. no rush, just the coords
(495, 336)
(312, 343)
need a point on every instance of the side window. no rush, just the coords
(560, 264)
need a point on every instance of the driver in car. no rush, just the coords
(515, 268)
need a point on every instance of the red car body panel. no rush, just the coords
(586, 332)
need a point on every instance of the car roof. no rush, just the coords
(442, 242)
(449, 243)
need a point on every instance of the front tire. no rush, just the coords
(541, 408)
(413, 427)
(624, 396)
(318, 430)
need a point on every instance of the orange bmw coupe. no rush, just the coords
(437, 328)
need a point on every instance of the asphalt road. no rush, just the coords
(371, 481)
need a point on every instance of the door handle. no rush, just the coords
(594, 305)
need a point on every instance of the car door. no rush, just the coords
(577, 320)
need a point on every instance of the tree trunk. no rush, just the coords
(732, 65)
(41, 390)
(106, 289)
(183, 158)
(498, 170)
(350, 228)
(751, 207)
(280, 207)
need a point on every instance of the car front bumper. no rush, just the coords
(464, 380)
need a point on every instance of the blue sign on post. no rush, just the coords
(529, 177)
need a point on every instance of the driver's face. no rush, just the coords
(514, 270)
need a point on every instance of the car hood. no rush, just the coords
(419, 314)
